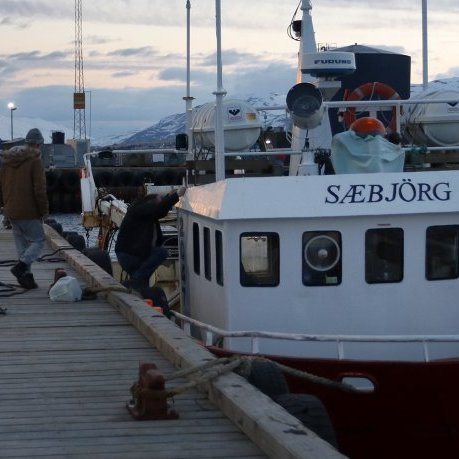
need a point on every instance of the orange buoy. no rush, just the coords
(368, 126)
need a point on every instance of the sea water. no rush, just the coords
(72, 222)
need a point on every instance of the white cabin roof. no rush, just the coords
(325, 196)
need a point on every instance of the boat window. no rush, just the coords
(196, 249)
(442, 252)
(384, 255)
(259, 262)
(322, 258)
(207, 259)
(219, 257)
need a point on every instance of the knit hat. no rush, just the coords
(34, 136)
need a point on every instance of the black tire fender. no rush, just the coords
(309, 410)
(66, 234)
(77, 241)
(267, 377)
(52, 180)
(103, 179)
(124, 178)
(70, 181)
(100, 258)
(147, 177)
(54, 225)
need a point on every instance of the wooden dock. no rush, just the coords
(66, 370)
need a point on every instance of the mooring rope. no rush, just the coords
(218, 367)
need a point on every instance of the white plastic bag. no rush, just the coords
(66, 288)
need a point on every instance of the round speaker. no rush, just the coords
(322, 253)
(304, 103)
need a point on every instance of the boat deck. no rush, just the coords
(67, 368)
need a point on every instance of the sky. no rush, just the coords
(134, 52)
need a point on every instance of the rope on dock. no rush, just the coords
(217, 367)
(7, 290)
(90, 293)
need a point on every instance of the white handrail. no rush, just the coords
(255, 335)
(365, 103)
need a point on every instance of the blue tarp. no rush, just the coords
(351, 154)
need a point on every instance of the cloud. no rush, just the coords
(139, 73)
(145, 51)
(38, 56)
(18, 24)
(124, 74)
(173, 74)
(29, 8)
(277, 77)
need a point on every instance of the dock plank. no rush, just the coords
(67, 368)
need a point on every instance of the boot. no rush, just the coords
(135, 284)
(25, 278)
(19, 269)
(27, 281)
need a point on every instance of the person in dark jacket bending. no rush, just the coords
(138, 245)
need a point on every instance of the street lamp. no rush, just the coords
(12, 108)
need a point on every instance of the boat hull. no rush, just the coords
(412, 411)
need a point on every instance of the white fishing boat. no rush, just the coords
(352, 276)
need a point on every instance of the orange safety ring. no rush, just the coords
(366, 92)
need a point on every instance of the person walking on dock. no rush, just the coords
(25, 202)
(138, 245)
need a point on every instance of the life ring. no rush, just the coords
(368, 91)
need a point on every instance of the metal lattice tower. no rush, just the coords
(79, 105)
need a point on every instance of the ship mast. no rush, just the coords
(188, 98)
(219, 95)
(425, 61)
(308, 140)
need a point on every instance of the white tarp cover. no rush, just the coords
(351, 154)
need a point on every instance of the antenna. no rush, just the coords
(79, 103)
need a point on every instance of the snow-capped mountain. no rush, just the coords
(21, 126)
(165, 130)
(103, 134)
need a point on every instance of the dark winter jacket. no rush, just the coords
(23, 184)
(140, 228)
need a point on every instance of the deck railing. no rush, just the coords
(255, 336)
